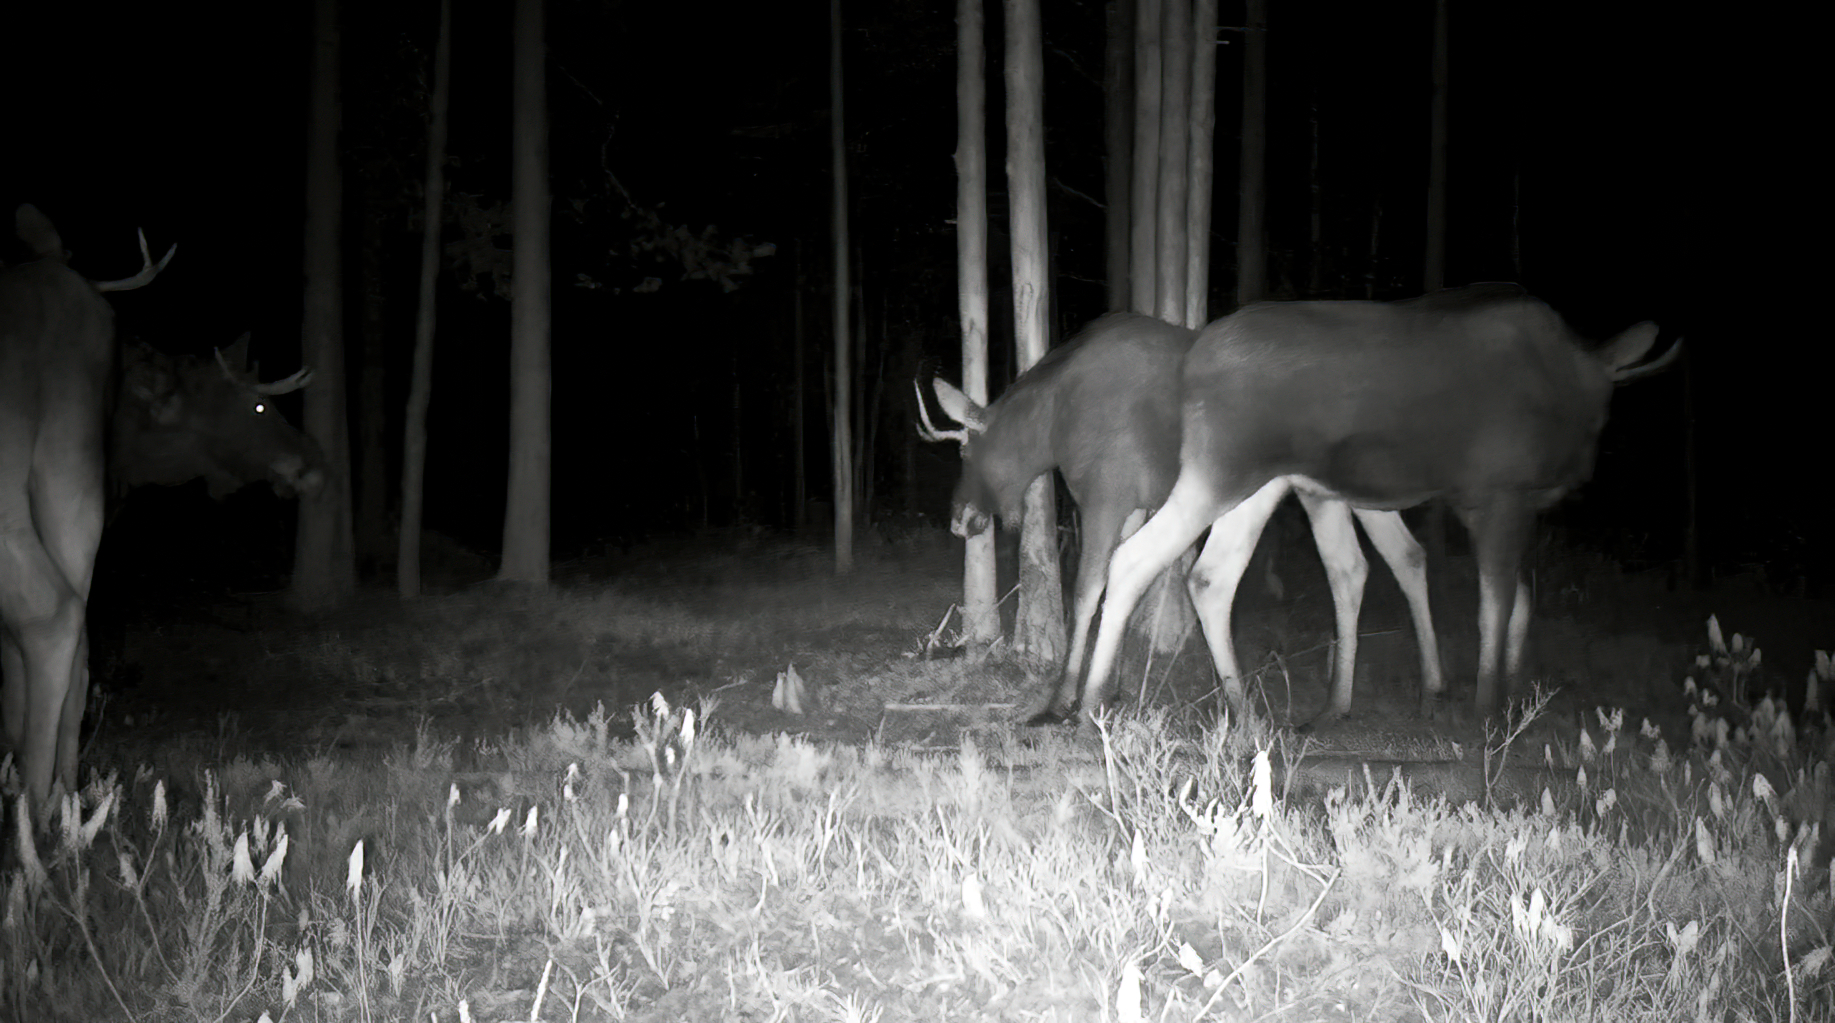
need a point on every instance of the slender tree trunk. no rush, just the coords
(1433, 274)
(526, 519)
(1175, 135)
(981, 623)
(844, 376)
(372, 523)
(1187, 117)
(799, 494)
(420, 385)
(736, 431)
(1144, 249)
(1694, 569)
(1516, 222)
(325, 569)
(1039, 631)
(1118, 135)
(1203, 128)
(868, 388)
(1252, 199)
(1315, 284)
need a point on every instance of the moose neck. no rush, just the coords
(1018, 446)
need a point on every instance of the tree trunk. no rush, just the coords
(1315, 282)
(372, 505)
(742, 512)
(1175, 135)
(420, 385)
(325, 569)
(1143, 249)
(980, 620)
(1118, 134)
(1203, 128)
(799, 487)
(842, 418)
(1433, 274)
(1186, 121)
(1252, 197)
(525, 519)
(1039, 631)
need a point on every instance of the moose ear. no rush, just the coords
(236, 355)
(958, 406)
(36, 231)
(1627, 348)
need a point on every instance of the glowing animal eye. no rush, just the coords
(260, 407)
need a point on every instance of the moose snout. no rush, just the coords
(292, 474)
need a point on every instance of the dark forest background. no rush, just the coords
(1624, 162)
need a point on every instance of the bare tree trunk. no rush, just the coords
(1203, 128)
(372, 522)
(1039, 630)
(736, 431)
(869, 388)
(1252, 197)
(1315, 283)
(525, 519)
(325, 568)
(981, 623)
(1516, 221)
(1118, 134)
(420, 385)
(1694, 569)
(844, 376)
(1433, 274)
(1175, 129)
(1187, 117)
(799, 494)
(1144, 250)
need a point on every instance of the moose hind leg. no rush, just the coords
(1399, 549)
(1346, 569)
(1100, 537)
(1142, 556)
(1219, 570)
(1498, 531)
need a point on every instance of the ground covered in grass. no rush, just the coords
(382, 815)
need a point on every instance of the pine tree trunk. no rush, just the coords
(1039, 631)
(324, 570)
(420, 386)
(981, 620)
(526, 515)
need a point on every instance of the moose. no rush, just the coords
(1103, 409)
(1482, 396)
(165, 421)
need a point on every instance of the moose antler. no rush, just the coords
(147, 270)
(927, 429)
(285, 385)
(1656, 365)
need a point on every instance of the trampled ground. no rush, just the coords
(724, 612)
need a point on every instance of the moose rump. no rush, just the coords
(57, 350)
(1482, 396)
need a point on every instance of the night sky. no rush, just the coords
(1661, 164)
